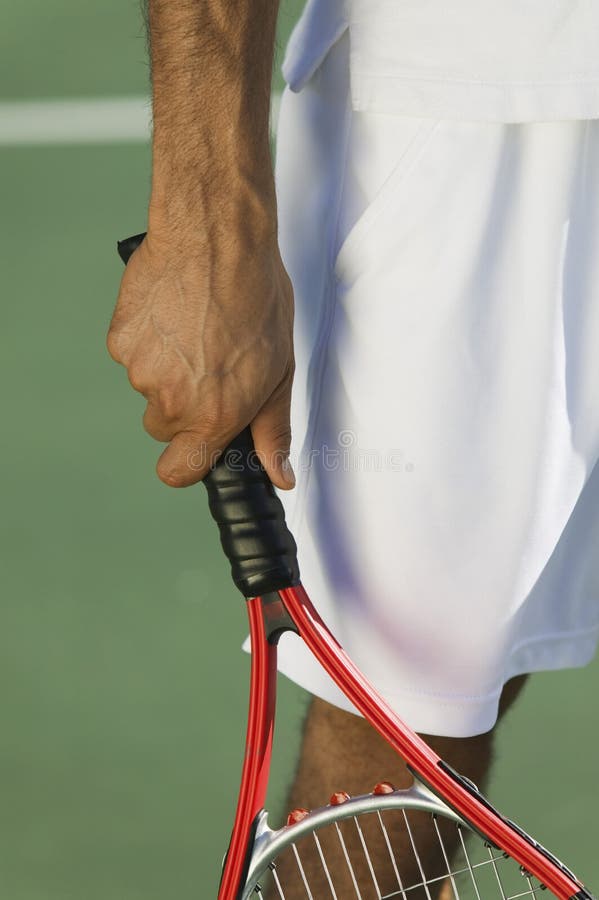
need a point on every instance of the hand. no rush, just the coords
(204, 328)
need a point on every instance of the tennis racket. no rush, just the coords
(482, 854)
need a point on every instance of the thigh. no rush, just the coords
(341, 751)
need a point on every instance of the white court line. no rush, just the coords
(103, 120)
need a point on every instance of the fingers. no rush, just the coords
(188, 458)
(197, 436)
(271, 432)
(190, 455)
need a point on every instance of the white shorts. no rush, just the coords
(446, 403)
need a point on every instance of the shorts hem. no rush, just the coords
(459, 715)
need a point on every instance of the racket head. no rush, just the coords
(471, 868)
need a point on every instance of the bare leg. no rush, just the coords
(341, 751)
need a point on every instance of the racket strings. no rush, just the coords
(358, 858)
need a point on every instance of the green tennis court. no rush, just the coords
(120, 747)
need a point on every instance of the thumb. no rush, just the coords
(271, 432)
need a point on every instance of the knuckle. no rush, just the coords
(137, 379)
(157, 429)
(113, 344)
(281, 434)
(171, 402)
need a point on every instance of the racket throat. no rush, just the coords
(275, 617)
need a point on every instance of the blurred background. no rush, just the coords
(122, 686)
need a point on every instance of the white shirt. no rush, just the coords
(494, 60)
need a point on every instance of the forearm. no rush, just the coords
(211, 64)
(204, 319)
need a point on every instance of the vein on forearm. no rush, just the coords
(211, 63)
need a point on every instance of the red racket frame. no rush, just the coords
(417, 754)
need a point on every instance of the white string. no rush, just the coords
(391, 853)
(324, 865)
(368, 860)
(469, 865)
(352, 874)
(424, 882)
(302, 873)
(278, 885)
(494, 867)
(446, 857)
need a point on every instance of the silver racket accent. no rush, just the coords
(472, 868)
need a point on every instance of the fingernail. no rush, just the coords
(288, 473)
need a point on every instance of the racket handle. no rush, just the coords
(246, 508)
(251, 520)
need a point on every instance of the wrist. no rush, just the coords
(228, 189)
(243, 218)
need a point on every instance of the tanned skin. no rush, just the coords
(204, 319)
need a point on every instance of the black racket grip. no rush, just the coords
(246, 508)
(251, 520)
